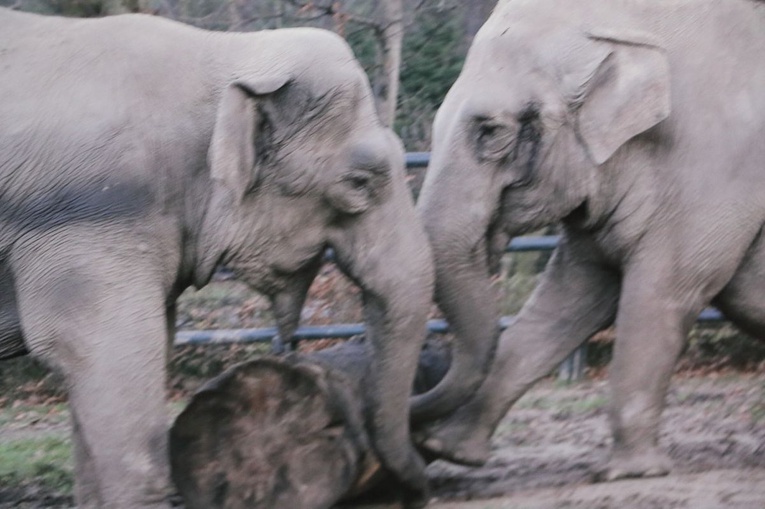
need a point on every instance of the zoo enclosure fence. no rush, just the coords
(571, 369)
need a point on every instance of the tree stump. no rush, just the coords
(283, 432)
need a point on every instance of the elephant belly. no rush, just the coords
(743, 298)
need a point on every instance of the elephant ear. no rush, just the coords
(232, 153)
(625, 92)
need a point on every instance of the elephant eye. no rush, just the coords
(358, 180)
(493, 141)
(354, 192)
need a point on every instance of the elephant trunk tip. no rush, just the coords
(445, 397)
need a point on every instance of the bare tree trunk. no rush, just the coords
(475, 16)
(234, 18)
(392, 36)
(112, 7)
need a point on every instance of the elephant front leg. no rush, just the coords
(106, 331)
(119, 439)
(576, 298)
(651, 329)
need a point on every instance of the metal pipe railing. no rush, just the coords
(413, 160)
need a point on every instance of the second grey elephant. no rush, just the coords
(137, 154)
(641, 126)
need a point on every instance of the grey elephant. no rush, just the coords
(640, 125)
(136, 155)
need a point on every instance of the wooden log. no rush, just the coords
(283, 432)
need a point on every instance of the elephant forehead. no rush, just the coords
(546, 34)
(502, 93)
(526, 47)
(540, 14)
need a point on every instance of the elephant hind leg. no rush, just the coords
(743, 298)
(11, 339)
(651, 329)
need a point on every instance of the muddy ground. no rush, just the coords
(551, 442)
(548, 447)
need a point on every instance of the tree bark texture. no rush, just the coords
(392, 36)
(283, 432)
(475, 17)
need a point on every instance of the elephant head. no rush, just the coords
(300, 163)
(547, 100)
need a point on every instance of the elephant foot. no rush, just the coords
(651, 463)
(453, 443)
(415, 499)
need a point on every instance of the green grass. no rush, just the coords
(45, 461)
(758, 413)
(509, 428)
(223, 293)
(573, 406)
(520, 276)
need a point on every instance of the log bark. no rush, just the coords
(283, 432)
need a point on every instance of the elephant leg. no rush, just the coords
(103, 324)
(577, 297)
(86, 474)
(742, 298)
(651, 329)
(11, 339)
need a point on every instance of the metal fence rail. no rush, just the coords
(413, 160)
(310, 332)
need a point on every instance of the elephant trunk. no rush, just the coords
(464, 294)
(287, 304)
(466, 246)
(388, 256)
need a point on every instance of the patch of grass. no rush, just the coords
(758, 413)
(572, 406)
(223, 293)
(520, 275)
(589, 404)
(44, 461)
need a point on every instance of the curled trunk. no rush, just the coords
(465, 245)
(464, 294)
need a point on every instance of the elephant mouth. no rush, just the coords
(299, 260)
(579, 215)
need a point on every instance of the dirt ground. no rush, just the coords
(551, 442)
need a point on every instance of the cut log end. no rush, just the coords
(276, 433)
(269, 433)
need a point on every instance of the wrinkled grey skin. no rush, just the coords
(641, 126)
(137, 154)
